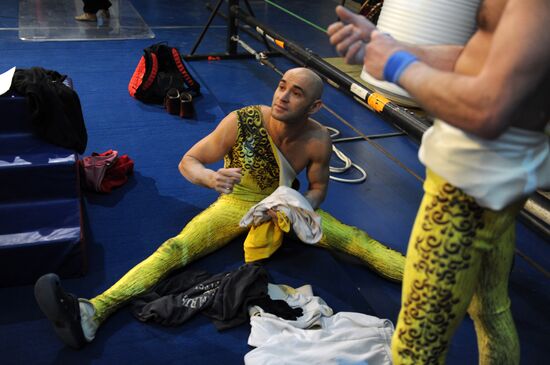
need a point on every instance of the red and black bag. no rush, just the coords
(161, 68)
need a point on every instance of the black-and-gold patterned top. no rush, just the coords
(254, 153)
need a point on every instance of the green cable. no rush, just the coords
(296, 16)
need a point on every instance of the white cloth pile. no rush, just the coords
(305, 222)
(318, 336)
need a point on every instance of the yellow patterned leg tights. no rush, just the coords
(207, 232)
(351, 240)
(459, 259)
(497, 338)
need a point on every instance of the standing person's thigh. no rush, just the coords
(499, 240)
(441, 271)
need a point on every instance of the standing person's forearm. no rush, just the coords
(441, 57)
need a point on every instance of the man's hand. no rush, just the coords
(377, 52)
(224, 179)
(350, 35)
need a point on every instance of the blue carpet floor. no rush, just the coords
(124, 227)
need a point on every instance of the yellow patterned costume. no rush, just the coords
(254, 153)
(458, 260)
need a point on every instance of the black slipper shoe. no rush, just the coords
(61, 308)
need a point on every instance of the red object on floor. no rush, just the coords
(117, 174)
(107, 170)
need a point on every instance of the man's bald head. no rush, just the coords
(297, 96)
(311, 82)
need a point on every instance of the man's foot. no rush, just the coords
(86, 17)
(61, 308)
(105, 13)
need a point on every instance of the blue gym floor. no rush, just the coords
(124, 227)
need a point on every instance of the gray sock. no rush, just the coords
(89, 326)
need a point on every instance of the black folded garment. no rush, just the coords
(224, 297)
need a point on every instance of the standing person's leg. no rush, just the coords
(90, 6)
(104, 4)
(351, 240)
(497, 338)
(93, 6)
(441, 270)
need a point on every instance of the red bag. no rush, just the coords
(105, 171)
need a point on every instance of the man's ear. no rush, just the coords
(315, 106)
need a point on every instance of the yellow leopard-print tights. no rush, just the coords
(458, 260)
(218, 225)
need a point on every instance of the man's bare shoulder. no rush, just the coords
(266, 111)
(229, 121)
(319, 138)
(318, 130)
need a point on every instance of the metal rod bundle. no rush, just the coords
(387, 109)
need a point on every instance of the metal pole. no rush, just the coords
(210, 19)
(232, 28)
(388, 110)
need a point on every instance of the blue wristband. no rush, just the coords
(397, 64)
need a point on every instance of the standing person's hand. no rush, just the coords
(377, 53)
(350, 35)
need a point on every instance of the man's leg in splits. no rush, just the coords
(207, 232)
(351, 240)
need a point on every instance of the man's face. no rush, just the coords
(292, 99)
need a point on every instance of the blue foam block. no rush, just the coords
(40, 207)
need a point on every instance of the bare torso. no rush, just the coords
(535, 112)
(297, 150)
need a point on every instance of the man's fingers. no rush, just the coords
(334, 27)
(272, 214)
(355, 54)
(229, 180)
(231, 172)
(346, 36)
(225, 190)
(345, 15)
(226, 178)
(339, 35)
(377, 34)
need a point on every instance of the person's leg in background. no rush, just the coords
(91, 7)
(451, 240)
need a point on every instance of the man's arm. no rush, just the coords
(483, 104)
(318, 168)
(211, 149)
(441, 57)
(353, 32)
